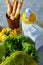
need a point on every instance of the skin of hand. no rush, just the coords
(16, 7)
(13, 1)
(17, 10)
(14, 10)
(9, 7)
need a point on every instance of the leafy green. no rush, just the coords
(31, 50)
(2, 51)
(21, 43)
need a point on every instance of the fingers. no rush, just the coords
(15, 7)
(13, 1)
(14, 10)
(9, 7)
(17, 11)
(19, 8)
(21, 2)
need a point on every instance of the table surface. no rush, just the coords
(40, 51)
(36, 5)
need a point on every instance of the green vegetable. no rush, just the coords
(27, 47)
(19, 58)
(8, 32)
(31, 50)
(21, 43)
(2, 51)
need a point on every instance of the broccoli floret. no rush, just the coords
(21, 43)
(2, 51)
(8, 32)
(31, 50)
(35, 56)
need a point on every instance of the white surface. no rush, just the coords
(34, 32)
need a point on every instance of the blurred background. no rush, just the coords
(36, 5)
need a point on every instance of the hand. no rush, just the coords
(14, 8)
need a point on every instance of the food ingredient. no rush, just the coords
(19, 58)
(2, 51)
(21, 43)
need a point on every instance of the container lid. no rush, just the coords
(28, 16)
(28, 12)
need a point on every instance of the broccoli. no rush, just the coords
(8, 32)
(21, 43)
(2, 51)
(31, 50)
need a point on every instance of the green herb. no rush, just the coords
(8, 32)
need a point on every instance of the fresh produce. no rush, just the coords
(2, 51)
(21, 43)
(19, 58)
(30, 49)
